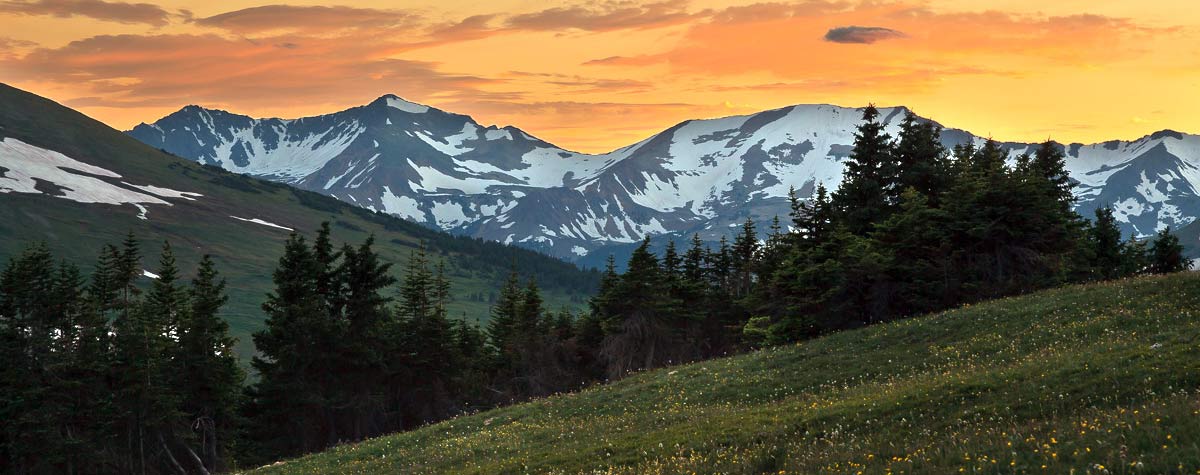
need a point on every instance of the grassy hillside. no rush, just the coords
(245, 253)
(1098, 378)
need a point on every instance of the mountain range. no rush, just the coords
(448, 171)
(76, 184)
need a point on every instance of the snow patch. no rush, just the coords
(28, 164)
(259, 221)
(403, 105)
(402, 206)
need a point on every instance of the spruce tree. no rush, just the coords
(505, 318)
(362, 360)
(287, 412)
(1166, 254)
(916, 267)
(920, 160)
(1106, 245)
(1050, 163)
(862, 200)
(650, 328)
(208, 376)
(693, 265)
(146, 337)
(28, 325)
(745, 253)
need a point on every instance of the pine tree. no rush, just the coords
(287, 413)
(1166, 254)
(327, 278)
(28, 330)
(693, 265)
(505, 318)
(913, 244)
(672, 264)
(813, 221)
(862, 200)
(145, 341)
(720, 265)
(362, 360)
(530, 318)
(650, 328)
(1135, 257)
(1106, 245)
(920, 159)
(441, 291)
(1050, 163)
(85, 398)
(207, 372)
(745, 253)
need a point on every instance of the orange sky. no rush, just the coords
(592, 76)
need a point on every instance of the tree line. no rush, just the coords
(109, 376)
(913, 228)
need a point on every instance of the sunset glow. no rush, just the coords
(592, 76)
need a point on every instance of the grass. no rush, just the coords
(1090, 379)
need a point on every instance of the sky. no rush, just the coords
(594, 76)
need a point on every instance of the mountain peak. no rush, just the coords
(397, 102)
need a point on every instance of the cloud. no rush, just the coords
(141, 70)
(861, 34)
(939, 45)
(98, 9)
(308, 19)
(608, 16)
(775, 11)
(584, 84)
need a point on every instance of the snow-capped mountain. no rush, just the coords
(448, 171)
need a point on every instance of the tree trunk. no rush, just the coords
(196, 458)
(170, 456)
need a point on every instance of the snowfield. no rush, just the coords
(26, 168)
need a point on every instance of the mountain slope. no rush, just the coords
(700, 176)
(1068, 380)
(77, 184)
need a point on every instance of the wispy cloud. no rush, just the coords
(122, 12)
(307, 19)
(605, 16)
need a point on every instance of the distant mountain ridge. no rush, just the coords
(75, 184)
(700, 176)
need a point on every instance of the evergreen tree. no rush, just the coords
(1135, 257)
(862, 200)
(29, 442)
(1166, 254)
(145, 340)
(920, 160)
(1050, 163)
(813, 221)
(1106, 245)
(913, 244)
(288, 413)
(505, 317)
(693, 265)
(363, 278)
(650, 331)
(207, 373)
(745, 252)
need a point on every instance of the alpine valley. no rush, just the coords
(448, 171)
(75, 184)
